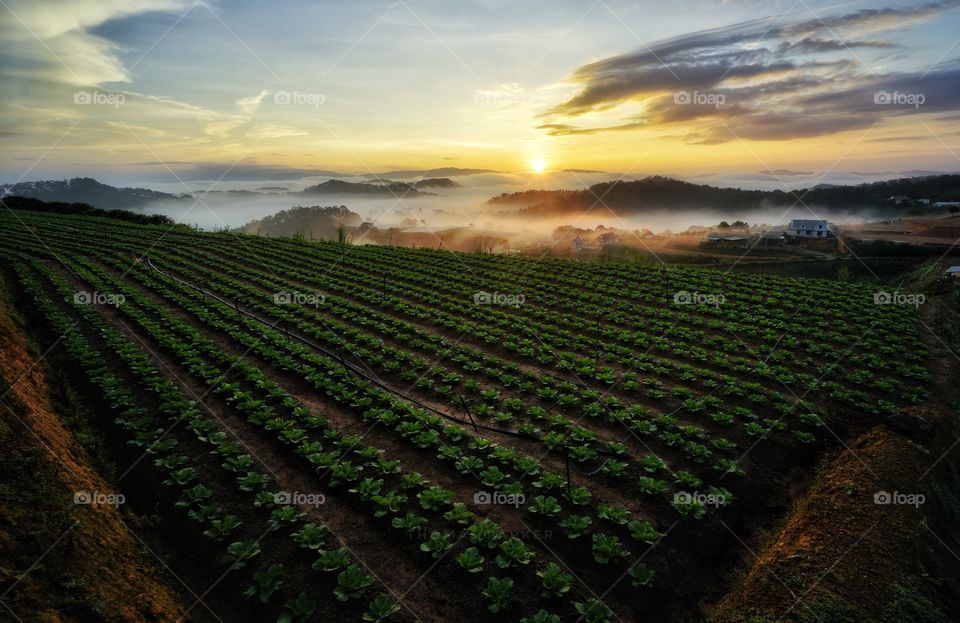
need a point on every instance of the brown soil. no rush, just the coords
(63, 561)
(838, 542)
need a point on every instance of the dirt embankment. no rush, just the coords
(862, 545)
(61, 560)
(853, 548)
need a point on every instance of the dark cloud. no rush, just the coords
(762, 79)
(816, 45)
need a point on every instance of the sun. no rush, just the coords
(538, 165)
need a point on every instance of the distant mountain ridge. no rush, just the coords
(87, 190)
(340, 187)
(440, 172)
(627, 197)
(657, 192)
(90, 191)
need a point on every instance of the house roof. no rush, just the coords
(953, 270)
(806, 223)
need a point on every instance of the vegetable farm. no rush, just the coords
(375, 433)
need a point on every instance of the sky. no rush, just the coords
(170, 90)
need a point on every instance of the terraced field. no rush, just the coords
(365, 432)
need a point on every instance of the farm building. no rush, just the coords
(802, 228)
(736, 241)
(772, 238)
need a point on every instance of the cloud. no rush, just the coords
(52, 40)
(250, 105)
(274, 130)
(760, 79)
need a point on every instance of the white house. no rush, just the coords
(801, 228)
(952, 273)
(579, 243)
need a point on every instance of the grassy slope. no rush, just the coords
(60, 561)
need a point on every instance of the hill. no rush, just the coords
(657, 192)
(313, 222)
(340, 187)
(87, 190)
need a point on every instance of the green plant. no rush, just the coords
(542, 616)
(513, 552)
(555, 581)
(607, 548)
(437, 544)
(485, 533)
(410, 523)
(593, 611)
(641, 576)
(644, 531)
(351, 583)
(310, 536)
(498, 592)
(381, 608)
(298, 609)
(545, 505)
(268, 582)
(220, 529)
(331, 560)
(576, 525)
(471, 560)
(240, 552)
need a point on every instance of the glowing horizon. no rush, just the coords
(146, 88)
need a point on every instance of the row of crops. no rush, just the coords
(533, 459)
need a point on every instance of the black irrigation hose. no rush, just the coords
(354, 368)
